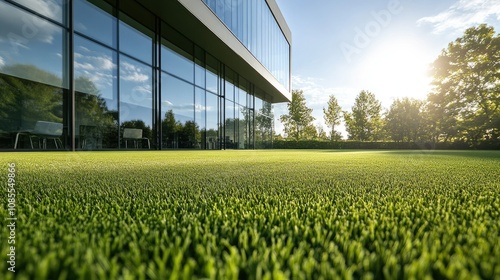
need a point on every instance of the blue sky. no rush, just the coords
(384, 46)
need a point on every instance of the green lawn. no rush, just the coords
(254, 215)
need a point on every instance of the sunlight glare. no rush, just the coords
(399, 68)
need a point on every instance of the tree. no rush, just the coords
(170, 130)
(404, 120)
(321, 134)
(364, 122)
(309, 132)
(465, 101)
(23, 102)
(299, 116)
(264, 124)
(332, 115)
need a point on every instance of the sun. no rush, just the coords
(397, 68)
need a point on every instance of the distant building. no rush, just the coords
(177, 74)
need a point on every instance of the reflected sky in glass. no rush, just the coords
(98, 64)
(199, 108)
(178, 96)
(53, 9)
(212, 111)
(135, 43)
(136, 98)
(95, 22)
(177, 64)
(30, 40)
(253, 23)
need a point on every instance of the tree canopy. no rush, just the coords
(333, 116)
(465, 101)
(363, 123)
(299, 120)
(404, 120)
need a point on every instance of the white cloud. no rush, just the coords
(317, 95)
(84, 66)
(462, 15)
(143, 90)
(2, 62)
(105, 62)
(48, 8)
(21, 28)
(83, 48)
(134, 77)
(130, 72)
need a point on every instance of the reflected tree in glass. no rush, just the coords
(176, 135)
(24, 102)
(91, 110)
(264, 125)
(170, 128)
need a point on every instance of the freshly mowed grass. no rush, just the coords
(254, 215)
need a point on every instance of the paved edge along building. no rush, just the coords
(141, 74)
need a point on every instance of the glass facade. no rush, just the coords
(253, 23)
(81, 82)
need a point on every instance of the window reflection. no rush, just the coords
(212, 79)
(212, 115)
(53, 9)
(263, 124)
(135, 39)
(230, 126)
(32, 42)
(96, 22)
(96, 116)
(229, 85)
(243, 120)
(177, 62)
(32, 83)
(23, 103)
(199, 68)
(136, 99)
(253, 23)
(200, 109)
(178, 123)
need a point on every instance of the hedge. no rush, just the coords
(317, 144)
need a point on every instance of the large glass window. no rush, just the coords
(177, 62)
(96, 22)
(135, 39)
(178, 123)
(31, 48)
(230, 126)
(136, 99)
(243, 121)
(199, 68)
(229, 88)
(96, 96)
(263, 124)
(253, 23)
(53, 9)
(212, 121)
(243, 92)
(32, 78)
(200, 109)
(212, 78)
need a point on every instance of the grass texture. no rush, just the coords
(253, 215)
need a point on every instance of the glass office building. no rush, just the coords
(139, 74)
